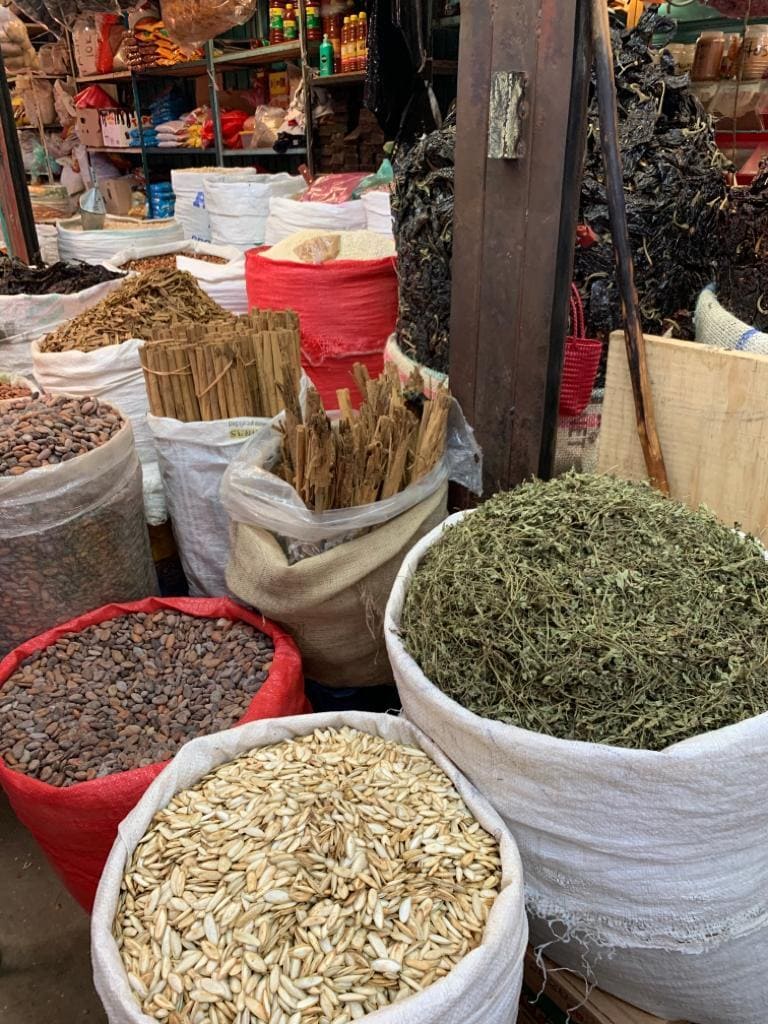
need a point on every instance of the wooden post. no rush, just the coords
(523, 76)
(14, 195)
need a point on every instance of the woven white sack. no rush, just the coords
(193, 458)
(119, 232)
(223, 282)
(287, 216)
(658, 858)
(378, 212)
(238, 210)
(484, 988)
(113, 374)
(26, 317)
(717, 327)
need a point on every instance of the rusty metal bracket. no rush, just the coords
(506, 113)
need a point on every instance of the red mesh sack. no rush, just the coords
(347, 310)
(76, 825)
(581, 362)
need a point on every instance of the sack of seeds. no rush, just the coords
(150, 674)
(326, 576)
(717, 327)
(72, 531)
(26, 317)
(112, 373)
(592, 655)
(13, 387)
(403, 902)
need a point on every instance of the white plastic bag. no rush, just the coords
(286, 216)
(238, 210)
(118, 233)
(192, 459)
(26, 317)
(654, 864)
(717, 327)
(257, 497)
(112, 374)
(378, 212)
(224, 282)
(72, 538)
(483, 988)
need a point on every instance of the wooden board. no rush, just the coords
(564, 992)
(712, 412)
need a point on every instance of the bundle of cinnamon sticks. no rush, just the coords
(236, 368)
(395, 438)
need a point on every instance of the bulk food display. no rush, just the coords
(323, 510)
(91, 710)
(338, 865)
(593, 656)
(72, 533)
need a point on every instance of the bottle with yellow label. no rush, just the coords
(290, 25)
(362, 41)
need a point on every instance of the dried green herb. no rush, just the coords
(594, 609)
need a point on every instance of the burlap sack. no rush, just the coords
(332, 603)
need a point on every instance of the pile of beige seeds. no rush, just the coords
(312, 881)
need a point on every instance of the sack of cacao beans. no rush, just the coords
(92, 710)
(72, 531)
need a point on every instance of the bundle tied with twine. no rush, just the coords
(232, 369)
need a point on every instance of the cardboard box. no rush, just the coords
(116, 127)
(88, 128)
(117, 195)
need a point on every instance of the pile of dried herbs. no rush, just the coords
(742, 272)
(422, 210)
(594, 609)
(674, 186)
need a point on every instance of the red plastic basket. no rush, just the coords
(581, 363)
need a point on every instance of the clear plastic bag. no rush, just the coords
(72, 537)
(191, 22)
(255, 496)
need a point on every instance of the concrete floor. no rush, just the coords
(45, 968)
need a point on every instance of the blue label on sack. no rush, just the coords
(199, 201)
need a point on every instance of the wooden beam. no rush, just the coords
(508, 295)
(14, 194)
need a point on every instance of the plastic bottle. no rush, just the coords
(290, 25)
(345, 46)
(276, 22)
(314, 32)
(334, 36)
(326, 57)
(362, 41)
(352, 51)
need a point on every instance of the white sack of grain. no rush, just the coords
(378, 212)
(484, 987)
(117, 234)
(654, 864)
(238, 210)
(114, 375)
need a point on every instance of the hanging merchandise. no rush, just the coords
(393, 765)
(72, 533)
(119, 232)
(322, 515)
(190, 23)
(592, 653)
(238, 210)
(73, 798)
(422, 208)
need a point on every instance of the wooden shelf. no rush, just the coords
(344, 78)
(110, 76)
(113, 149)
(261, 55)
(453, 21)
(293, 151)
(178, 151)
(34, 128)
(191, 68)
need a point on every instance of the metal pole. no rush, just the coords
(142, 147)
(14, 194)
(213, 92)
(306, 74)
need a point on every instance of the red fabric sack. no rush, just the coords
(346, 307)
(581, 362)
(77, 825)
(334, 374)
